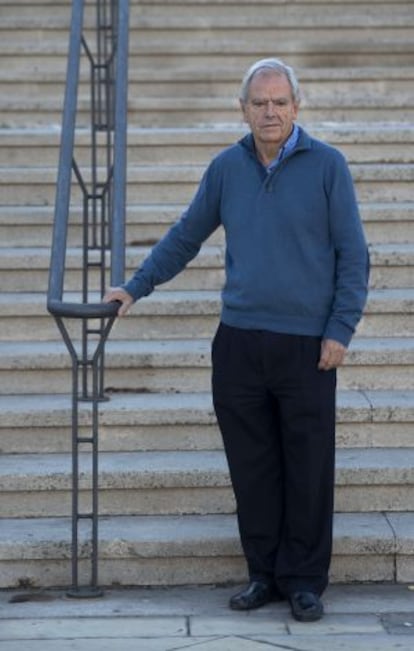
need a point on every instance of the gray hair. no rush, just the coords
(277, 66)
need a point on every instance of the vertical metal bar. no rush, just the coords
(75, 475)
(99, 52)
(120, 148)
(75, 456)
(63, 185)
(85, 291)
(95, 487)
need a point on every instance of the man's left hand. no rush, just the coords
(332, 355)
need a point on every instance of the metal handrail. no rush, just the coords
(55, 303)
(103, 237)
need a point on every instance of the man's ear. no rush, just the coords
(243, 108)
(296, 109)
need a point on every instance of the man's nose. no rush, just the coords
(270, 108)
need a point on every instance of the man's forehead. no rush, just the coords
(266, 74)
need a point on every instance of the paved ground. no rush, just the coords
(368, 618)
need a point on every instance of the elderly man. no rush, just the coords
(296, 285)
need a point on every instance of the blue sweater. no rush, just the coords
(296, 256)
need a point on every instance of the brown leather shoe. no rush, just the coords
(255, 595)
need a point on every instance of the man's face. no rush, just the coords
(270, 110)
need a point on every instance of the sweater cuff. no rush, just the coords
(338, 331)
(136, 288)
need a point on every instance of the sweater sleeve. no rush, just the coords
(183, 240)
(351, 253)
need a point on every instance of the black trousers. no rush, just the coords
(276, 413)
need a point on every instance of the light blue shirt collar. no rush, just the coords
(289, 145)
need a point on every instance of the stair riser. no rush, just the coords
(118, 438)
(396, 431)
(182, 326)
(184, 570)
(162, 57)
(159, 117)
(17, 116)
(122, 438)
(196, 570)
(18, 235)
(36, 281)
(163, 501)
(360, 499)
(148, 327)
(186, 379)
(314, 91)
(242, 39)
(28, 192)
(387, 325)
(388, 277)
(179, 154)
(393, 231)
(184, 501)
(192, 278)
(194, 15)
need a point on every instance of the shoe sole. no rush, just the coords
(275, 598)
(307, 617)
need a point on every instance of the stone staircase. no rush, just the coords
(166, 503)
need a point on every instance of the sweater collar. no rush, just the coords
(303, 142)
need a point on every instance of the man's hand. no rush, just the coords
(332, 355)
(119, 294)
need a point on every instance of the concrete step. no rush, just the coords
(360, 142)
(173, 550)
(218, 21)
(183, 314)
(186, 482)
(26, 269)
(24, 8)
(388, 313)
(388, 222)
(375, 93)
(139, 422)
(179, 35)
(391, 266)
(28, 79)
(167, 184)
(220, 15)
(146, 111)
(29, 226)
(19, 110)
(30, 367)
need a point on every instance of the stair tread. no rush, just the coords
(228, 72)
(191, 173)
(190, 302)
(186, 352)
(27, 256)
(155, 408)
(170, 536)
(186, 469)
(163, 215)
(316, 16)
